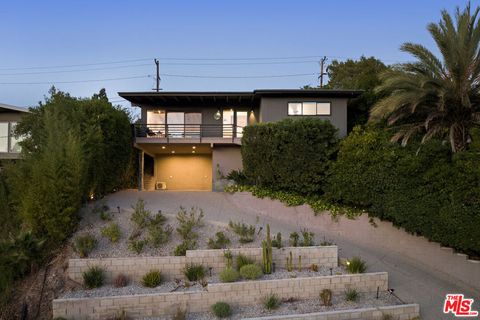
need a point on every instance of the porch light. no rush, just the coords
(217, 115)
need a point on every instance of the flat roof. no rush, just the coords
(230, 97)
(5, 108)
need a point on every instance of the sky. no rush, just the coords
(83, 46)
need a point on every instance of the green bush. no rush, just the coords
(84, 244)
(220, 242)
(356, 265)
(136, 245)
(221, 310)
(194, 272)
(246, 232)
(140, 215)
(277, 241)
(243, 260)
(229, 275)
(326, 297)
(93, 277)
(271, 302)
(152, 279)
(291, 154)
(251, 271)
(158, 235)
(351, 295)
(112, 232)
(307, 238)
(188, 221)
(182, 248)
(294, 239)
(423, 188)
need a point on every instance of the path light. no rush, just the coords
(273, 267)
(210, 270)
(331, 271)
(378, 289)
(118, 208)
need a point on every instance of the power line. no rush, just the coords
(75, 81)
(74, 65)
(238, 77)
(77, 70)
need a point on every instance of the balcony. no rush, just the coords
(188, 133)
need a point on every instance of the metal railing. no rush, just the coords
(187, 131)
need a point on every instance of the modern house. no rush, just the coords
(9, 116)
(190, 140)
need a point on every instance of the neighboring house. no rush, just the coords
(9, 116)
(190, 140)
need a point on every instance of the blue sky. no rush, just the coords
(49, 34)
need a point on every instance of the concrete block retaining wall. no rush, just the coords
(401, 312)
(171, 267)
(236, 293)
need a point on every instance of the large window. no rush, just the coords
(309, 108)
(4, 136)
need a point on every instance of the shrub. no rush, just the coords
(423, 188)
(246, 232)
(307, 240)
(326, 297)
(238, 176)
(314, 267)
(351, 295)
(152, 279)
(243, 260)
(221, 241)
(188, 221)
(158, 220)
(221, 310)
(180, 314)
(93, 277)
(271, 302)
(194, 272)
(356, 265)
(140, 215)
(84, 244)
(112, 232)
(120, 281)
(251, 271)
(277, 241)
(137, 245)
(158, 235)
(294, 238)
(291, 154)
(182, 248)
(229, 275)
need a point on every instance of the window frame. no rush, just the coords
(309, 115)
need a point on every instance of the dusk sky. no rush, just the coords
(47, 43)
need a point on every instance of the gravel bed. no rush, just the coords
(299, 307)
(91, 223)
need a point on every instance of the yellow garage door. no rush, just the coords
(185, 172)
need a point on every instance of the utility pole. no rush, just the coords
(322, 73)
(157, 63)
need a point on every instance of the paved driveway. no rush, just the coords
(412, 281)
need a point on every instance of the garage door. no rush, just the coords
(185, 172)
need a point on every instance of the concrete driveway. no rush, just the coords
(412, 281)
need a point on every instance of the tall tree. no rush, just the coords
(437, 97)
(362, 74)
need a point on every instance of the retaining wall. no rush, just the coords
(171, 267)
(236, 293)
(401, 312)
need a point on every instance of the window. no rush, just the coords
(309, 108)
(3, 136)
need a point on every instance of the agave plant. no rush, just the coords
(436, 97)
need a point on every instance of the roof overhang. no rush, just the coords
(232, 98)
(6, 108)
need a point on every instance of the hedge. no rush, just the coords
(422, 188)
(291, 155)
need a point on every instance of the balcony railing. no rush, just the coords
(188, 131)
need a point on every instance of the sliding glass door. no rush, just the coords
(184, 124)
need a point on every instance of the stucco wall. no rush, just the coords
(274, 109)
(171, 267)
(227, 158)
(236, 293)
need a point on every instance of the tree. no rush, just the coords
(362, 74)
(436, 97)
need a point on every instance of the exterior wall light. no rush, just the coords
(217, 115)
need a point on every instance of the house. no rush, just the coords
(9, 116)
(191, 140)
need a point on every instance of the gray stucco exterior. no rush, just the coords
(275, 109)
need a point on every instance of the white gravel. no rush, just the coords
(299, 307)
(91, 223)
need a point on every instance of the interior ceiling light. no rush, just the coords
(194, 147)
(173, 151)
(163, 147)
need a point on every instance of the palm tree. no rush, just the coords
(436, 97)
